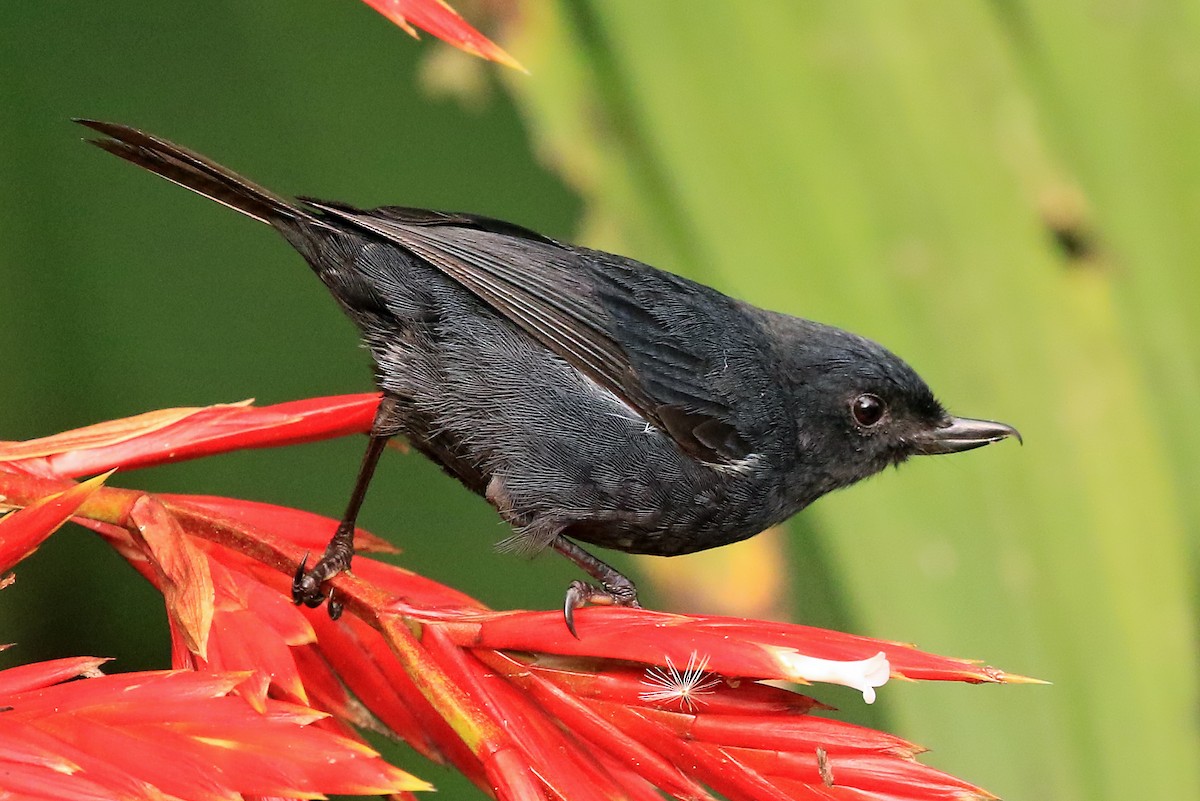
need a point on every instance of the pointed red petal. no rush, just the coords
(186, 582)
(22, 531)
(101, 435)
(733, 646)
(173, 435)
(153, 688)
(443, 22)
(629, 685)
(24, 678)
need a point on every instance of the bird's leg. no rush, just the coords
(306, 584)
(614, 590)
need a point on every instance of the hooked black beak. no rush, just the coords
(963, 434)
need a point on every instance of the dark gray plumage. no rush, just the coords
(589, 397)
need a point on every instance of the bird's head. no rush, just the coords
(861, 408)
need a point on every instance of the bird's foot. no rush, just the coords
(307, 584)
(617, 591)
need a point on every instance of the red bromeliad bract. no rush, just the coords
(442, 21)
(642, 703)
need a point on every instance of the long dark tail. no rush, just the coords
(197, 173)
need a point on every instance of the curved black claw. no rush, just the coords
(306, 587)
(306, 584)
(577, 593)
(301, 591)
(334, 606)
(580, 593)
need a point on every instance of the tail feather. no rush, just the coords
(195, 172)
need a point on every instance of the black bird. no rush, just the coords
(589, 397)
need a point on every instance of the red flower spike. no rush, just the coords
(22, 531)
(439, 19)
(174, 435)
(567, 718)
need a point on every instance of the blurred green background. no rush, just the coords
(1005, 193)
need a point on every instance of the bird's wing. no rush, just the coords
(595, 319)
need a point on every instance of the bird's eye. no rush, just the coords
(867, 409)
